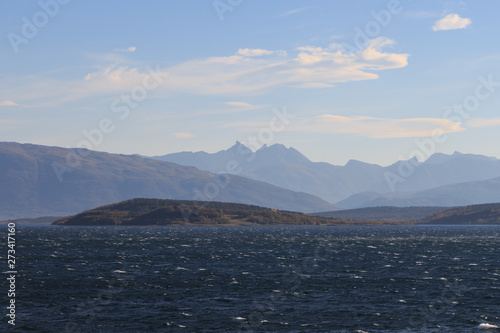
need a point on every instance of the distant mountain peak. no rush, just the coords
(438, 158)
(238, 145)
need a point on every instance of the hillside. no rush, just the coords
(144, 212)
(383, 213)
(30, 187)
(475, 214)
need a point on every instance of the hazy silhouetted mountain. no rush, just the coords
(461, 194)
(288, 168)
(29, 186)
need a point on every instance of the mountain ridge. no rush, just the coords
(29, 186)
(290, 169)
(460, 194)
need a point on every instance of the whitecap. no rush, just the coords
(119, 271)
(240, 318)
(486, 326)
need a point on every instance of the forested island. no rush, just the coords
(147, 212)
(144, 212)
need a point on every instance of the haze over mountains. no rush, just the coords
(50, 181)
(404, 183)
(461, 194)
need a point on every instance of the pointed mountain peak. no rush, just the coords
(279, 153)
(238, 145)
(414, 161)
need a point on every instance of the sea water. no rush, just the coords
(257, 279)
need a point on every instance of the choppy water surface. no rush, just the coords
(261, 279)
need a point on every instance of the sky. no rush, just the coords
(376, 81)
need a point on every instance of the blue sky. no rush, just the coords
(376, 81)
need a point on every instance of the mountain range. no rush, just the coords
(461, 194)
(51, 181)
(442, 180)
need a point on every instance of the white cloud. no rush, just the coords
(259, 52)
(114, 75)
(8, 103)
(239, 104)
(183, 135)
(130, 49)
(451, 22)
(379, 127)
(245, 72)
(482, 122)
(311, 67)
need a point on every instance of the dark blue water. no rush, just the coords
(260, 279)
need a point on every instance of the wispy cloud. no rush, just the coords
(8, 103)
(311, 66)
(259, 52)
(182, 135)
(248, 71)
(130, 49)
(239, 104)
(483, 122)
(371, 127)
(292, 11)
(381, 127)
(451, 22)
